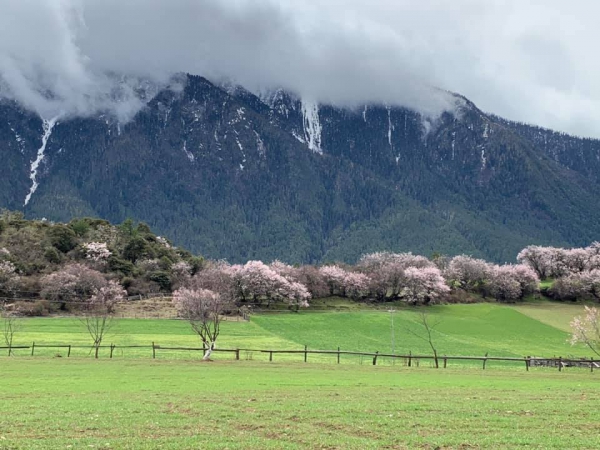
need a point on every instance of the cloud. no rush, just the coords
(523, 61)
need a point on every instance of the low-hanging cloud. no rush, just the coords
(79, 57)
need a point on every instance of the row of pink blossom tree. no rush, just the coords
(554, 262)
(575, 271)
(381, 276)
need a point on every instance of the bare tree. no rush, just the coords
(10, 326)
(203, 309)
(98, 312)
(426, 334)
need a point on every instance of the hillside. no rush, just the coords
(232, 175)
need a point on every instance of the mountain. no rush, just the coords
(229, 174)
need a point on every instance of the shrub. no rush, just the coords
(62, 238)
(52, 255)
(39, 308)
(162, 279)
(80, 227)
(116, 264)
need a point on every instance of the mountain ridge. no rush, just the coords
(233, 175)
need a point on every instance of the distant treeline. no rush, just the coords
(61, 264)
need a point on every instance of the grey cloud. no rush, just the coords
(524, 61)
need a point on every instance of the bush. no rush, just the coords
(62, 238)
(137, 248)
(80, 227)
(39, 308)
(119, 265)
(52, 255)
(165, 263)
(162, 279)
(141, 287)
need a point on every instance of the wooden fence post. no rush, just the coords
(484, 360)
(338, 356)
(560, 363)
(592, 365)
(445, 361)
(271, 356)
(69, 352)
(237, 354)
(32, 348)
(112, 347)
(153, 351)
(305, 352)
(409, 358)
(375, 358)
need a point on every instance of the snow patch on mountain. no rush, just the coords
(19, 139)
(390, 127)
(47, 125)
(312, 125)
(189, 154)
(260, 145)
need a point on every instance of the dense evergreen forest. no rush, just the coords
(231, 175)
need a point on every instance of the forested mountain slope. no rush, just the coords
(232, 175)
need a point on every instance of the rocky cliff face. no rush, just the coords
(233, 175)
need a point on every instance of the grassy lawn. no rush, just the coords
(538, 329)
(144, 404)
(555, 314)
(463, 330)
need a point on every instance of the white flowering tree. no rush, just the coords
(203, 309)
(96, 251)
(98, 312)
(586, 329)
(8, 277)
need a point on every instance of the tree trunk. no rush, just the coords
(209, 350)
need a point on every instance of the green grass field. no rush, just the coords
(139, 404)
(177, 402)
(539, 329)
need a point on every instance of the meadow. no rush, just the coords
(178, 402)
(141, 404)
(537, 329)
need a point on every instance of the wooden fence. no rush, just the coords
(409, 359)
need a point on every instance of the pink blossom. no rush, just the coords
(586, 329)
(386, 271)
(256, 280)
(512, 282)
(344, 283)
(96, 251)
(423, 285)
(107, 297)
(467, 273)
(8, 276)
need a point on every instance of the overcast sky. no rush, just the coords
(533, 61)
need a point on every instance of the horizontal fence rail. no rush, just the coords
(409, 359)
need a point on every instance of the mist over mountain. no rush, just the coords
(519, 60)
(233, 175)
